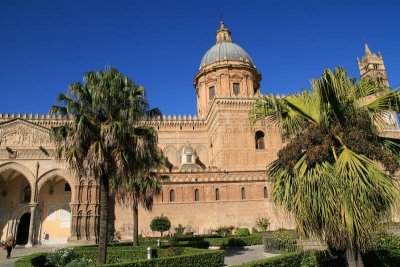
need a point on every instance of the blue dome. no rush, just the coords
(225, 51)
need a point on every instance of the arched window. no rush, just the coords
(260, 140)
(89, 192)
(67, 187)
(265, 192)
(236, 88)
(87, 226)
(217, 196)
(196, 195)
(26, 194)
(211, 93)
(79, 225)
(80, 193)
(172, 196)
(243, 191)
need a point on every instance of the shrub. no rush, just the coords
(61, 256)
(255, 239)
(80, 263)
(254, 230)
(224, 230)
(160, 224)
(242, 232)
(292, 260)
(35, 260)
(179, 230)
(191, 257)
(263, 223)
(281, 240)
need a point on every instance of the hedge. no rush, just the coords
(208, 258)
(377, 258)
(35, 260)
(300, 259)
(235, 241)
(285, 260)
(135, 257)
(281, 240)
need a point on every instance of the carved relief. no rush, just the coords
(19, 133)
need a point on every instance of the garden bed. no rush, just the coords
(135, 257)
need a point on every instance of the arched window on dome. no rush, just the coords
(236, 88)
(243, 191)
(217, 195)
(265, 192)
(211, 93)
(196, 195)
(260, 140)
(172, 196)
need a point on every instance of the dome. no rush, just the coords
(225, 51)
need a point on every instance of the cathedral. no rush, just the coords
(216, 176)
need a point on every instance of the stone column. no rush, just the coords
(31, 221)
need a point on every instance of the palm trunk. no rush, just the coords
(135, 225)
(354, 258)
(103, 235)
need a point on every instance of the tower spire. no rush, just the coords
(367, 50)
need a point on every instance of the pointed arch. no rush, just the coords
(53, 173)
(19, 168)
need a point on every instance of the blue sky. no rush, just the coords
(47, 44)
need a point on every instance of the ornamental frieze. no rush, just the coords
(19, 133)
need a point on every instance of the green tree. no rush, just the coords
(138, 190)
(160, 224)
(262, 224)
(101, 139)
(327, 174)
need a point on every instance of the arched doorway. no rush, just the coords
(23, 229)
(15, 198)
(55, 210)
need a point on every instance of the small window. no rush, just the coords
(188, 158)
(243, 191)
(260, 140)
(265, 192)
(67, 187)
(196, 195)
(172, 196)
(380, 80)
(376, 66)
(217, 196)
(26, 194)
(236, 89)
(162, 196)
(211, 93)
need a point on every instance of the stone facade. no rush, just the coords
(217, 172)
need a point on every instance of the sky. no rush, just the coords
(47, 44)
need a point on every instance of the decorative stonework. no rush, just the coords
(19, 133)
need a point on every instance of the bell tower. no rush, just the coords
(372, 66)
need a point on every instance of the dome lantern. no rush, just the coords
(223, 35)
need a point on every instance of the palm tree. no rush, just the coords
(335, 172)
(99, 142)
(146, 183)
(138, 190)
